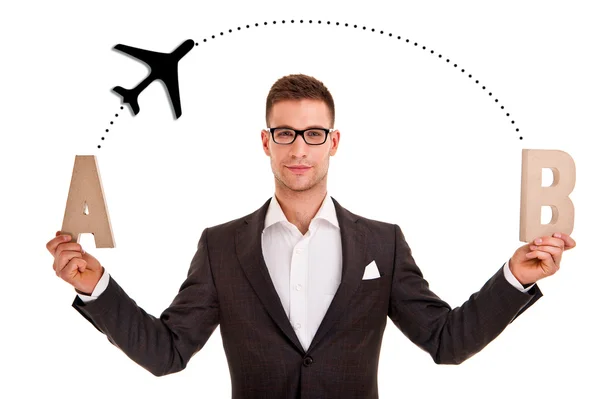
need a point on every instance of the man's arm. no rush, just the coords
(449, 335)
(161, 345)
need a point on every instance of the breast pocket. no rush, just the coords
(374, 284)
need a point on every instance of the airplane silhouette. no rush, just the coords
(163, 66)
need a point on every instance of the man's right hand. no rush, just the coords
(73, 264)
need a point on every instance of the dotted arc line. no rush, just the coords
(364, 28)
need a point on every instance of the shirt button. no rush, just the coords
(307, 361)
(297, 326)
(298, 287)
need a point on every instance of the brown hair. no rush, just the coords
(298, 87)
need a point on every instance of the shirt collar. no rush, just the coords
(326, 212)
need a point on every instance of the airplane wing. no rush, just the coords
(146, 56)
(172, 84)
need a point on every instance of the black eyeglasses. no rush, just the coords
(312, 136)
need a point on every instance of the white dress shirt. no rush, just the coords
(305, 269)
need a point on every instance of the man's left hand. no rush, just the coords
(539, 258)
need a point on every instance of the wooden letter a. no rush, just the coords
(86, 210)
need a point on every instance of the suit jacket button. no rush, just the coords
(307, 361)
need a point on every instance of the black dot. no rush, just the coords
(502, 107)
(116, 115)
(373, 30)
(507, 114)
(111, 122)
(106, 130)
(204, 40)
(221, 33)
(447, 60)
(247, 26)
(364, 27)
(355, 26)
(328, 22)
(390, 35)
(292, 21)
(483, 88)
(102, 138)
(121, 107)
(213, 36)
(423, 47)
(439, 56)
(407, 40)
(398, 37)
(196, 43)
(512, 122)
(274, 22)
(477, 81)
(517, 129)
(239, 28)
(319, 21)
(256, 24)
(283, 21)
(310, 21)
(496, 100)
(431, 51)
(346, 24)
(265, 22)
(521, 138)
(416, 44)
(337, 23)
(454, 65)
(229, 30)
(490, 94)
(470, 75)
(98, 146)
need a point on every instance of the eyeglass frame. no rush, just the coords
(299, 133)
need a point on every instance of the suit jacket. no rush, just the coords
(228, 284)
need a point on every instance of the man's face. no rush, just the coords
(285, 159)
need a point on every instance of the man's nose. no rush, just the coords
(299, 147)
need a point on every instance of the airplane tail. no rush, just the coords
(129, 97)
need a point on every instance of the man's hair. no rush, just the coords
(298, 87)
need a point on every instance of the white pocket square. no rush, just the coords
(371, 271)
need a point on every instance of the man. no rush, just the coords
(301, 288)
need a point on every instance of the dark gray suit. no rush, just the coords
(228, 284)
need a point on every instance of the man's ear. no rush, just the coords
(264, 135)
(335, 142)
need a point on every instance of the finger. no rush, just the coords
(67, 246)
(64, 258)
(547, 240)
(53, 243)
(569, 242)
(552, 250)
(71, 269)
(548, 266)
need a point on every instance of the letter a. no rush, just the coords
(534, 196)
(86, 210)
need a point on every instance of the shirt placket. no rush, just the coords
(298, 290)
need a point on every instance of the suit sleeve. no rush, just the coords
(449, 335)
(161, 345)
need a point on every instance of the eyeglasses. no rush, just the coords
(312, 136)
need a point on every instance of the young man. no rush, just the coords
(302, 287)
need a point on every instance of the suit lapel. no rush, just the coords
(354, 260)
(249, 252)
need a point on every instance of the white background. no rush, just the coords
(421, 145)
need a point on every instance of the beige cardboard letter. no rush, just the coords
(86, 210)
(556, 196)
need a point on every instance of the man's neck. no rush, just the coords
(300, 207)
